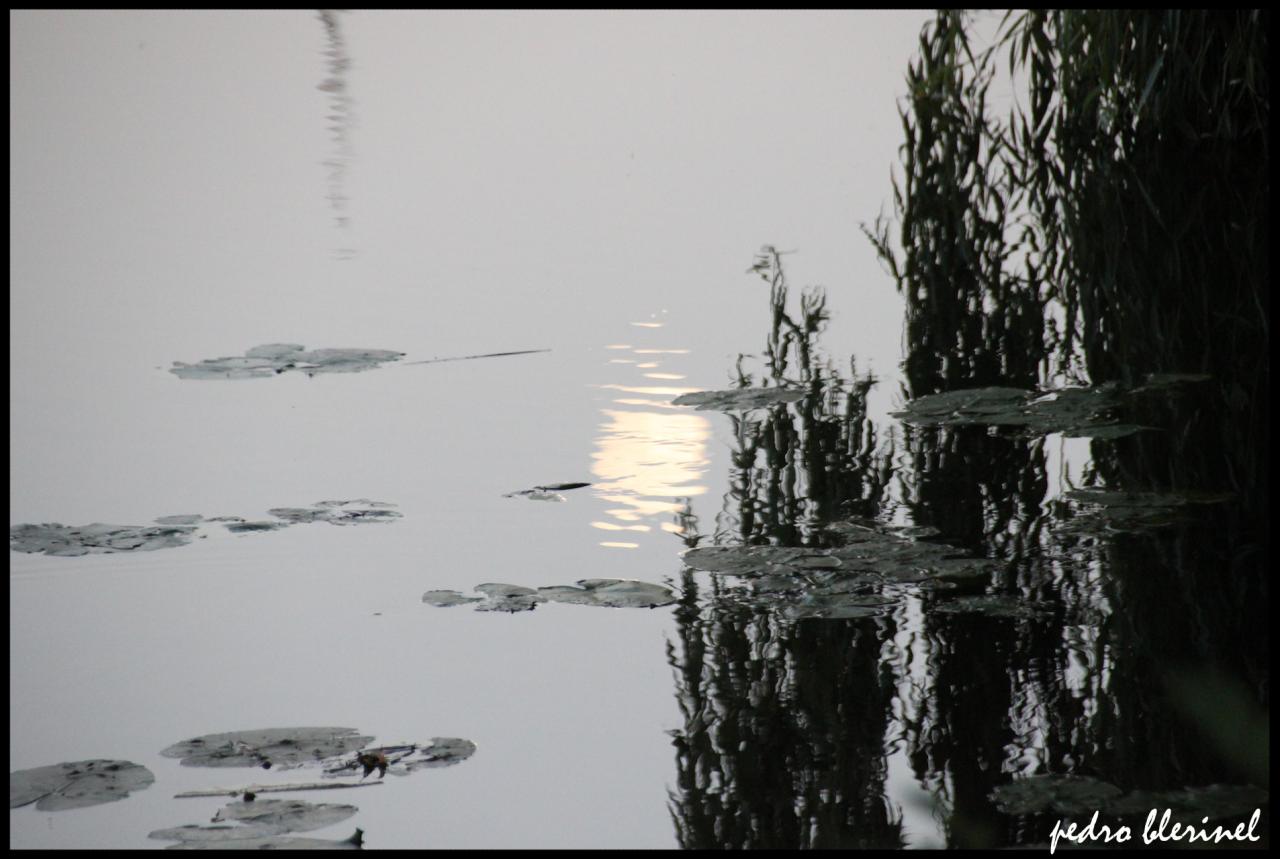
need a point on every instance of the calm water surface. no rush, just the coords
(595, 186)
(187, 185)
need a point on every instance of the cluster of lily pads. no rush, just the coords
(68, 541)
(178, 530)
(612, 593)
(247, 822)
(1100, 511)
(1087, 412)
(271, 359)
(857, 579)
(1072, 795)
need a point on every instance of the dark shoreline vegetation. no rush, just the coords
(1111, 232)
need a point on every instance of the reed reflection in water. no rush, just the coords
(340, 120)
(1133, 657)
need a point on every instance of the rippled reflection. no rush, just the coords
(646, 461)
(1141, 660)
(340, 119)
(650, 455)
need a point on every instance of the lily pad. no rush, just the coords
(947, 407)
(1074, 412)
(444, 599)
(284, 815)
(612, 593)
(180, 519)
(1110, 498)
(1216, 801)
(271, 351)
(1106, 431)
(357, 512)
(270, 842)
(992, 606)
(1109, 511)
(403, 759)
(1064, 794)
(300, 515)
(443, 752)
(837, 606)
(1075, 795)
(263, 821)
(738, 399)
(77, 785)
(511, 598)
(97, 538)
(535, 495)
(266, 747)
(1163, 381)
(868, 556)
(254, 527)
(274, 358)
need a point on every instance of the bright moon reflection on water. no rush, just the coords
(645, 462)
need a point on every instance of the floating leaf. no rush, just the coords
(738, 399)
(271, 842)
(180, 519)
(1111, 511)
(358, 511)
(274, 358)
(301, 515)
(991, 606)
(443, 752)
(868, 556)
(439, 752)
(561, 487)
(269, 746)
(613, 593)
(61, 540)
(802, 582)
(511, 598)
(1112, 498)
(77, 785)
(837, 606)
(1064, 794)
(535, 495)
(1080, 795)
(254, 527)
(272, 351)
(1162, 381)
(284, 815)
(1106, 431)
(1074, 412)
(444, 599)
(263, 820)
(1216, 801)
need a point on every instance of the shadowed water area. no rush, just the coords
(799, 581)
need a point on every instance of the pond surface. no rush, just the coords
(577, 205)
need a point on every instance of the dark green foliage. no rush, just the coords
(1112, 229)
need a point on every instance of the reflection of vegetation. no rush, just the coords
(813, 461)
(783, 741)
(339, 104)
(1111, 233)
